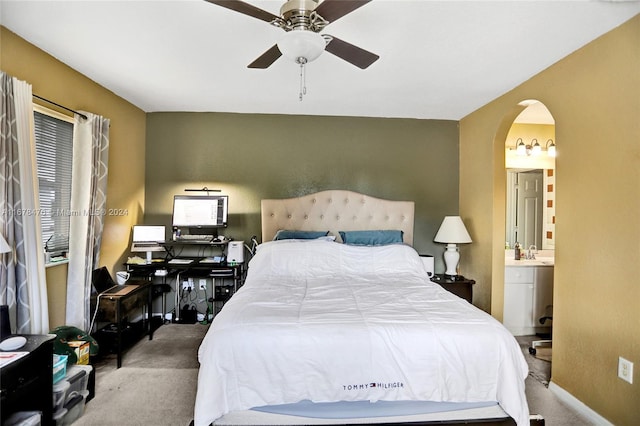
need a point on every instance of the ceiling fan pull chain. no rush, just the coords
(303, 80)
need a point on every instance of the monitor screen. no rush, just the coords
(197, 211)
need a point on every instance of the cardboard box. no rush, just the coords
(81, 348)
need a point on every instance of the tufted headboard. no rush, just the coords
(336, 210)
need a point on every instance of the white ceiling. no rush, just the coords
(438, 59)
(535, 113)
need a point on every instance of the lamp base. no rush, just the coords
(451, 258)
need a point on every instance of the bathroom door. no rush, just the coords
(529, 209)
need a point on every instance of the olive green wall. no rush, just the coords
(57, 82)
(594, 97)
(251, 157)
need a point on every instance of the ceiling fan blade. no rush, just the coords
(350, 53)
(331, 10)
(267, 58)
(245, 8)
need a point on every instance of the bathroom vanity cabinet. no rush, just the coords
(528, 297)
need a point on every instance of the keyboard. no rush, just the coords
(180, 261)
(190, 237)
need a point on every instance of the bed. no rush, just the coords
(345, 327)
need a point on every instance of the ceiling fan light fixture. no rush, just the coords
(301, 46)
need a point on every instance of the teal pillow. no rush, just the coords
(284, 234)
(371, 238)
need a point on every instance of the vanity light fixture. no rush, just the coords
(551, 148)
(534, 148)
(521, 148)
(452, 232)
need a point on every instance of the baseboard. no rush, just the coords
(578, 405)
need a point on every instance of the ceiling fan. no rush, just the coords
(302, 21)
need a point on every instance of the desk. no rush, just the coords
(196, 268)
(159, 284)
(117, 304)
(27, 384)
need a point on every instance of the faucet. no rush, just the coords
(532, 255)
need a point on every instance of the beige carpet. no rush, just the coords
(539, 369)
(156, 384)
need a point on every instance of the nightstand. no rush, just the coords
(458, 285)
(27, 383)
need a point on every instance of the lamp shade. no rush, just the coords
(301, 46)
(4, 246)
(452, 231)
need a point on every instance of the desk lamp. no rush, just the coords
(452, 232)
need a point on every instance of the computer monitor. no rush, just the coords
(148, 239)
(201, 212)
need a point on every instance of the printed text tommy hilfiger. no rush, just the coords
(390, 385)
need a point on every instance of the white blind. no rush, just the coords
(54, 151)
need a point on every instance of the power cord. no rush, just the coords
(254, 246)
(95, 313)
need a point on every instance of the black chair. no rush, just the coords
(543, 342)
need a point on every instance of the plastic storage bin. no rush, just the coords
(74, 383)
(60, 392)
(24, 418)
(72, 411)
(78, 378)
(58, 416)
(59, 367)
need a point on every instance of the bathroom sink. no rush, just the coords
(540, 261)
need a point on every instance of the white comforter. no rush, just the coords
(324, 321)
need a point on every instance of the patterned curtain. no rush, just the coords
(22, 275)
(88, 196)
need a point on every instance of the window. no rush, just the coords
(54, 151)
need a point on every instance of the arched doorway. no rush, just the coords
(527, 122)
(527, 141)
(530, 152)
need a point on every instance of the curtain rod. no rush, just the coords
(60, 106)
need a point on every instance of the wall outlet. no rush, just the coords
(625, 370)
(186, 285)
(203, 284)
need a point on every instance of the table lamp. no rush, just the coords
(452, 232)
(4, 246)
(5, 328)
